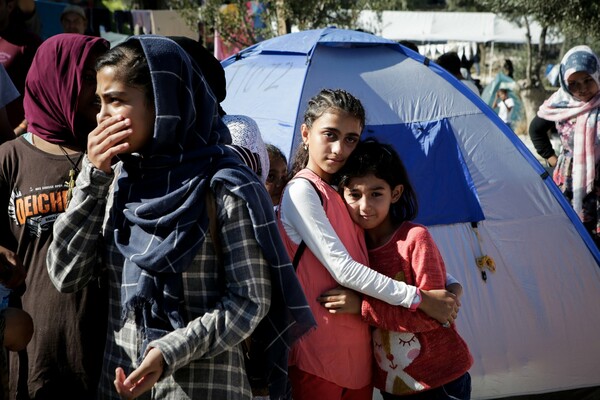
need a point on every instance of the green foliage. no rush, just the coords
(314, 14)
(235, 26)
(577, 18)
(233, 22)
(466, 5)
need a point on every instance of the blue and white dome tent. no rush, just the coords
(533, 324)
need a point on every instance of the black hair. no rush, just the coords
(450, 62)
(131, 66)
(381, 160)
(410, 45)
(508, 67)
(327, 100)
(275, 152)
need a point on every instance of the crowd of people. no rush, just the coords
(139, 261)
(148, 238)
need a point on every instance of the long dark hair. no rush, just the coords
(381, 160)
(326, 100)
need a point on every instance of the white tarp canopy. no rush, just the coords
(423, 26)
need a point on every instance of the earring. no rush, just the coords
(305, 147)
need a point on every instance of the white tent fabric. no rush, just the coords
(533, 325)
(424, 26)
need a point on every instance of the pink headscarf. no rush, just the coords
(53, 86)
(563, 106)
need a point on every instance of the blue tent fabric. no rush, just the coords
(304, 42)
(438, 171)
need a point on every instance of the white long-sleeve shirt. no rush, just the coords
(304, 219)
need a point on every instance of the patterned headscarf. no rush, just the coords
(161, 217)
(563, 106)
(246, 133)
(53, 85)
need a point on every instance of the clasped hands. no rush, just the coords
(440, 304)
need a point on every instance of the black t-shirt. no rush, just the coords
(65, 355)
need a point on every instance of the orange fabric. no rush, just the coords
(339, 350)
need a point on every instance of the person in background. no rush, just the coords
(410, 45)
(508, 68)
(451, 62)
(17, 46)
(7, 94)
(26, 13)
(187, 284)
(505, 106)
(245, 133)
(16, 329)
(64, 356)
(416, 356)
(575, 108)
(73, 19)
(278, 173)
(16, 325)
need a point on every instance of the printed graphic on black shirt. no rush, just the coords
(37, 209)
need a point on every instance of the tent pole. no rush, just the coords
(489, 74)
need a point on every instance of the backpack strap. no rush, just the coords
(302, 245)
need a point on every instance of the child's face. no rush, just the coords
(331, 139)
(368, 200)
(276, 178)
(502, 95)
(117, 98)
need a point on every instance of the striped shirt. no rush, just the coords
(223, 304)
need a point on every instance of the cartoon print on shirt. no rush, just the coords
(38, 209)
(394, 351)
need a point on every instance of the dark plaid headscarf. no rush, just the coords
(211, 68)
(161, 218)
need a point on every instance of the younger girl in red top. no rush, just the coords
(416, 356)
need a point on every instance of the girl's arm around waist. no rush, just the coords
(305, 220)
